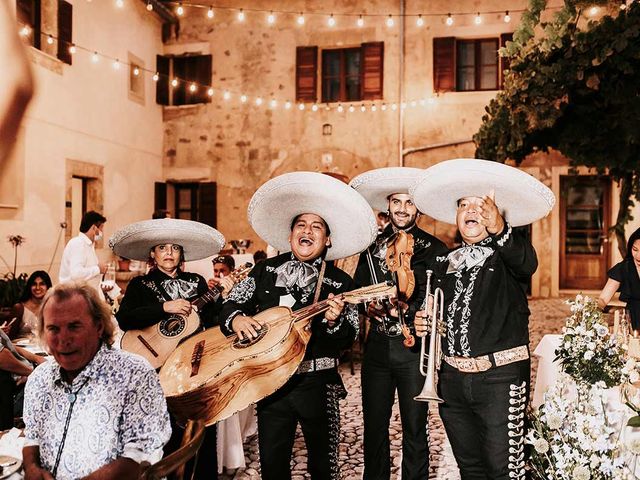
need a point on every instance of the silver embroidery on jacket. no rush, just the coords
(517, 405)
(243, 291)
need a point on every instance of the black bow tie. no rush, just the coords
(295, 273)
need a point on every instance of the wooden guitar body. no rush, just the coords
(210, 376)
(155, 343)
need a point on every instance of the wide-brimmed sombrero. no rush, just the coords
(136, 240)
(278, 201)
(522, 198)
(376, 185)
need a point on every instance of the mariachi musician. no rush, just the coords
(484, 378)
(390, 362)
(314, 218)
(166, 244)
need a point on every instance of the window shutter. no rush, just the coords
(306, 74)
(162, 85)
(203, 77)
(504, 62)
(444, 64)
(207, 212)
(65, 26)
(28, 13)
(372, 70)
(159, 196)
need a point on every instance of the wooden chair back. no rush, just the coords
(175, 461)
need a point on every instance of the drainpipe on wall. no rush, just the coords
(401, 86)
(433, 146)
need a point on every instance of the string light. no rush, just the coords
(72, 49)
(258, 101)
(116, 64)
(301, 19)
(50, 40)
(351, 109)
(332, 21)
(180, 9)
(226, 95)
(449, 20)
(301, 106)
(340, 108)
(24, 31)
(373, 108)
(271, 18)
(210, 92)
(593, 11)
(243, 98)
(363, 108)
(136, 71)
(394, 107)
(507, 17)
(420, 21)
(478, 19)
(156, 77)
(193, 88)
(149, 6)
(273, 103)
(210, 12)
(95, 58)
(413, 103)
(241, 15)
(383, 107)
(119, 3)
(314, 107)
(174, 82)
(287, 105)
(390, 21)
(360, 21)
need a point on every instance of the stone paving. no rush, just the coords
(547, 316)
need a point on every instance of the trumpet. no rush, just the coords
(429, 391)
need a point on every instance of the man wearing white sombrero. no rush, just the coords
(484, 378)
(167, 290)
(314, 218)
(388, 365)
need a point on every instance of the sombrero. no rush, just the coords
(278, 201)
(136, 240)
(523, 198)
(376, 185)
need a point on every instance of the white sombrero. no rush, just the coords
(522, 197)
(376, 185)
(136, 240)
(277, 202)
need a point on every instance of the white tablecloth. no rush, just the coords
(547, 368)
(232, 433)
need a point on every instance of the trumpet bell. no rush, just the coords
(428, 394)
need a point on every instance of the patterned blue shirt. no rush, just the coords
(120, 411)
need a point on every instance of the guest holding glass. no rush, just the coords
(25, 312)
(624, 277)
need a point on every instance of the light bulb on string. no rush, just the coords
(314, 107)
(360, 21)
(241, 15)
(300, 19)
(72, 49)
(95, 57)
(116, 64)
(331, 21)
(273, 103)
(226, 95)
(413, 103)
(420, 21)
(174, 82)
(271, 18)
(478, 19)
(192, 88)
(383, 107)
(422, 102)
(258, 101)
(449, 20)
(210, 92)
(394, 107)
(119, 3)
(211, 13)
(149, 6)
(390, 21)
(301, 106)
(49, 39)
(287, 105)
(431, 101)
(243, 98)
(24, 31)
(340, 108)
(351, 109)
(363, 108)
(507, 17)
(136, 71)
(593, 11)
(373, 108)
(156, 77)
(180, 9)
(403, 105)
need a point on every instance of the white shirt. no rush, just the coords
(80, 262)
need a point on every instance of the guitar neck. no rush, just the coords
(209, 296)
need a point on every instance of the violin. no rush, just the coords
(399, 253)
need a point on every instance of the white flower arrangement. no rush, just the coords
(573, 435)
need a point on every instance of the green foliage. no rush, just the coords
(576, 90)
(11, 288)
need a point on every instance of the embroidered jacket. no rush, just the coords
(119, 411)
(485, 298)
(258, 292)
(141, 306)
(426, 247)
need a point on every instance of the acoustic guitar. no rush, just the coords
(210, 376)
(156, 342)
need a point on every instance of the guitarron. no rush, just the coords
(210, 376)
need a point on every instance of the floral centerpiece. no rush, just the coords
(573, 435)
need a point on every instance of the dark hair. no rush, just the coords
(226, 260)
(26, 293)
(297, 217)
(632, 239)
(259, 256)
(89, 219)
(161, 213)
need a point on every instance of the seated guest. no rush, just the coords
(93, 411)
(26, 310)
(624, 277)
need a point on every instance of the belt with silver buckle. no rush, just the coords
(389, 329)
(317, 364)
(486, 362)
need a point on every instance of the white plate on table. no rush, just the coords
(10, 469)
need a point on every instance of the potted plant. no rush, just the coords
(11, 285)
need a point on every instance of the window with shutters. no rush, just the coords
(188, 201)
(136, 79)
(346, 74)
(183, 79)
(463, 65)
(28, 13)
(31, 16)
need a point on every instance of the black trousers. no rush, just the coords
(484, 416)
(389, 366)
(311, 399)
(7, 390)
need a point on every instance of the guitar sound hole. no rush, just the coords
(247, 342)
(172, 326)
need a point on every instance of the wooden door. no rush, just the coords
(584, 222)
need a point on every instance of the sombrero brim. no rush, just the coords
(376, 185)
(521, 197)
(277, 202)
(136, 240)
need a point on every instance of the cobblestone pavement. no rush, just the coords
(547, 316)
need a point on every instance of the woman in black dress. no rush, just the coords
(625, 278)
